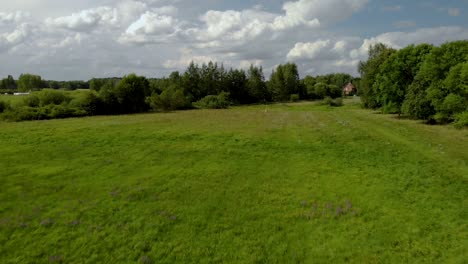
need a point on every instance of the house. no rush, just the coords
(349, 89)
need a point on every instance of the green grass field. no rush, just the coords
(12, 99)
(287, 183)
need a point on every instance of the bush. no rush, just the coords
(49, 96)
(294, 97)
(453, 104)
(333, 102)
(62, 111)
(31, 100)
(461, 120)
(24, 113)
(170, 99)
(390, 108)
(4, 106)
(213, 101)
(88, 101)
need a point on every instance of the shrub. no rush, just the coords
(31, 100)
(294, 97)
(170, 99)
(4, 106)
(49, 96)
(213, 101)
(461, 120)
(333, 102)
(131, 93)
(63, 111)
(24, 113)
(390, 108)
(453, 104)
(88, 102)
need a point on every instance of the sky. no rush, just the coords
(82, 39)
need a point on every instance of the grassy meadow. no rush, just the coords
(284, 183)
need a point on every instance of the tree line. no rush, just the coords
(208, 85)
(419, 81)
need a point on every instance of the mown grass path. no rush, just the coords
(298, 183)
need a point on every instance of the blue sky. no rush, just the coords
(64, 40)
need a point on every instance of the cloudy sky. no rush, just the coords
(81, 39)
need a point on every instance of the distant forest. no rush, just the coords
(420, 82)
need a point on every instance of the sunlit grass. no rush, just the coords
(259, 184)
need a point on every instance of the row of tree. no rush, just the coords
(422, 82)
(31, 82)
(196, 82)
(207, 86)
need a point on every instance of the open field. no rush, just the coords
(12, 99)
(294, 183)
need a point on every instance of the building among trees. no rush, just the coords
(349, 89)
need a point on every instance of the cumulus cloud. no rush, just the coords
(19, 35)
(325, 55)
(187, 56)
(13, 17)
(399, 40)
(313, 12)
(310, 50)
(86, 38)
(86, 20)
(151, 28)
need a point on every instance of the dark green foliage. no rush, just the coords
(97, 84)
(461, 120)
(256, 86)
(220, 101)
(369, 70)
(4, 106)
(423, 82)
(48, 96)
(333, 102)
(211, 79)
(108, 97)
(32, 100)
(284, 81)
(236, 86)
(294, 97)
(330, 85)
(8, 83)
(88, 101)
(322, 90)
(391, 108)
(28, 82)
(66, 85)
(191, 81)
(23, 113)
(130, 94)
(170, 99)
(396, 74)
(427, 93)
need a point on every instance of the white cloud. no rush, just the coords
(315, 12)
(151, 28)
(19, 35)
(81, 39)
(187, 56)
(310, 50)
(86, 20)
(13, 17)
